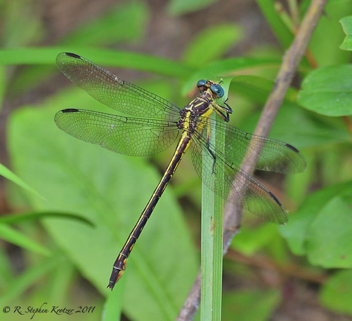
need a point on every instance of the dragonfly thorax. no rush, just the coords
(200, 106)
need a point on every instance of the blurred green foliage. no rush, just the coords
(346, 23)
(79, 183)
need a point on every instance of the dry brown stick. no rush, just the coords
(291, 60)
(348, 123)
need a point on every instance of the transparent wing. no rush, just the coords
(251, 194)
(113, 91)
(274, 155)
(124, 135)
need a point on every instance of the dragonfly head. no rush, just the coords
(211, 87)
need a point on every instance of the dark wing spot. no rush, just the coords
(292, 148)
(70, 54)
(275, 199)
(70, 110)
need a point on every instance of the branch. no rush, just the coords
(291, 60)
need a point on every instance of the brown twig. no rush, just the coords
(291, 60)
(348, 123)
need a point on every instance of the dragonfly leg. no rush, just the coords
(212, 154)
(228, 109)
(223, 111)
(225, 117)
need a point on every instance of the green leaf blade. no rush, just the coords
(10, 235)
(328, 91)
(221, 37)
(5, 172)
(336, 292)
(346, 23)
(321, 228)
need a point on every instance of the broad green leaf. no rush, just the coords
(347, 29)
(321, 228)
(179, 7)
(328, 91)
(111, 190)
(328, 36)
(330, 234)
(13, 236)
(5, 172)
(336, 292)
(221, 37)
(250, 305)
(120, 23)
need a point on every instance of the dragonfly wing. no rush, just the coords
(250, 193)
(113, 91)
(273, 155)
(124, 135)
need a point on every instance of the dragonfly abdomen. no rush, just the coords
(121, 261)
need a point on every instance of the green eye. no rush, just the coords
(201, 83)
(217, 89)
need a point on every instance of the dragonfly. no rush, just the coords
(153, 124)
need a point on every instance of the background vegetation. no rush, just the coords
(67, 206)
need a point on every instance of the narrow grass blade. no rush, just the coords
(15, 179)
(211, 244)
(10, 235)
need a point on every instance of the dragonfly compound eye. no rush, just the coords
(201, 83)
(217, 90)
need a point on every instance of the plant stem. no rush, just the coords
(211, 236)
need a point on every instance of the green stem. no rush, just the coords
(212, 235)
(211, 246)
